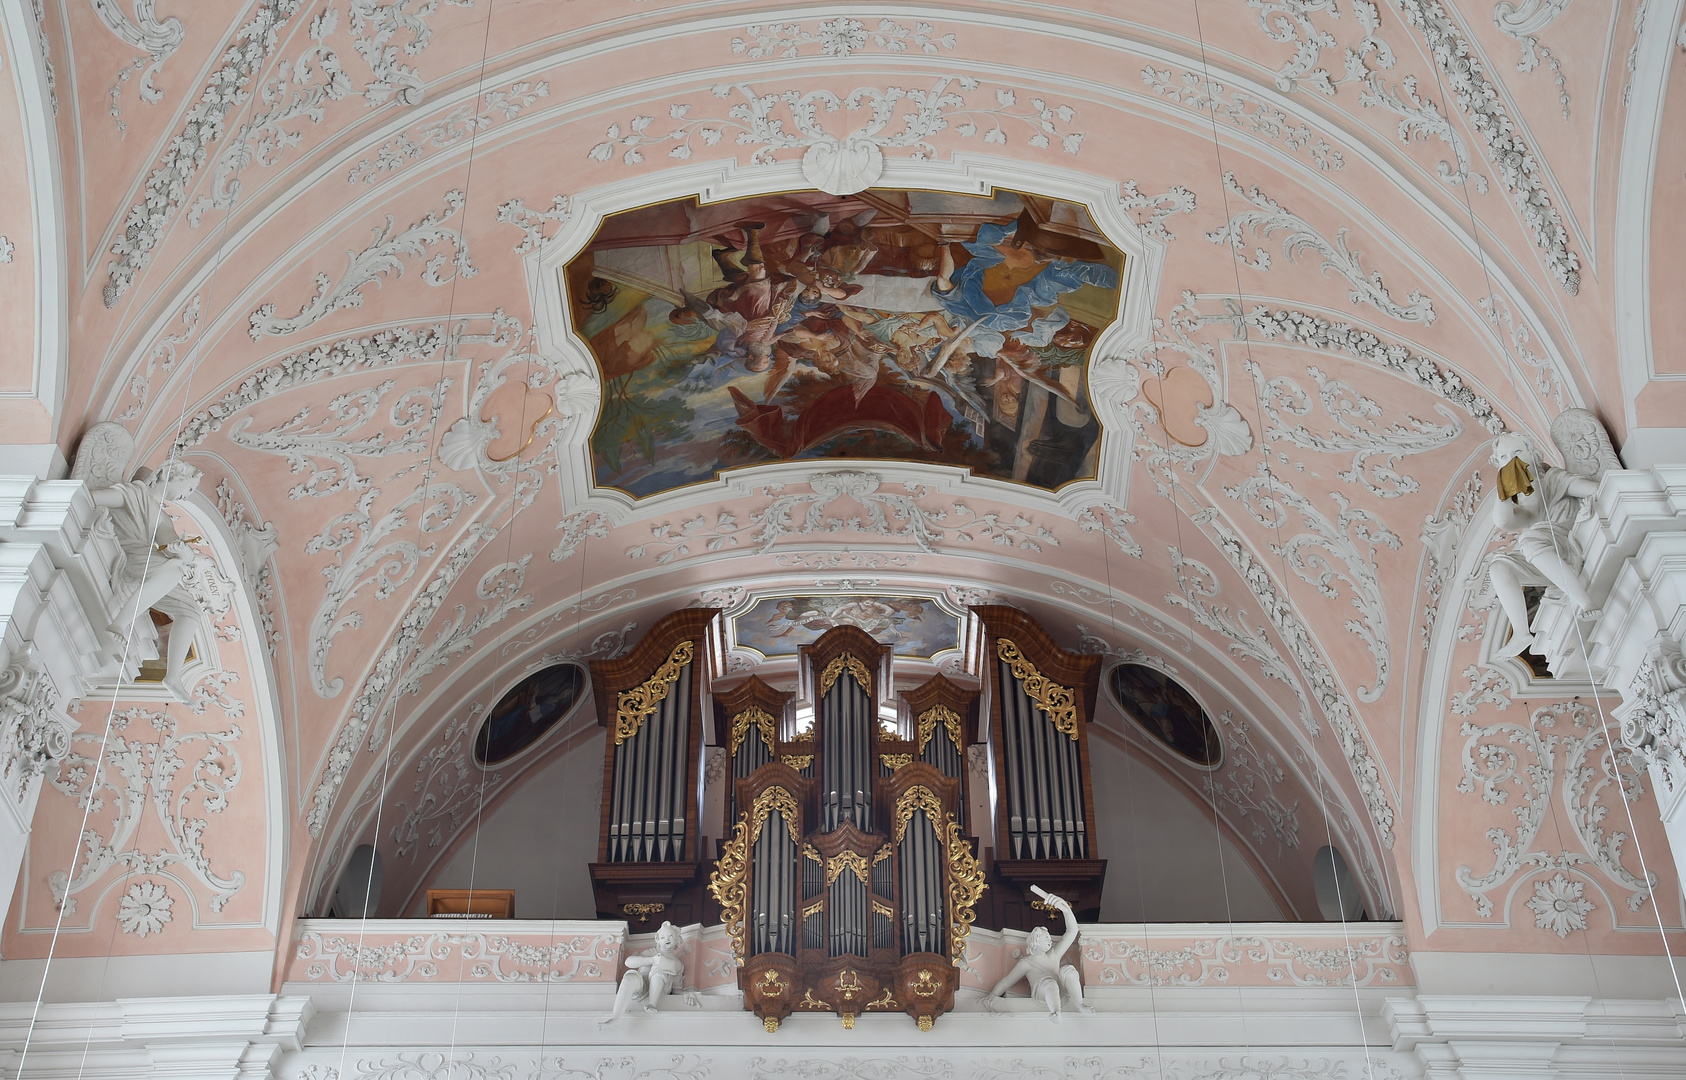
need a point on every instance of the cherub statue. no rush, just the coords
(157, 559)
(1050, 982)
(1541, 510)
(665, 975)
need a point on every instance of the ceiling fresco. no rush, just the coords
(915, 626)
(891, 324)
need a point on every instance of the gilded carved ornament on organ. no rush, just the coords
(637, 705)
(1052, 698)
(948, 718)
(761, 718)
(841, 663)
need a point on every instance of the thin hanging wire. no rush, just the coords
(1511, 371)
(1264, 454)
(390, 744)
(164, 474)
(1135, 833)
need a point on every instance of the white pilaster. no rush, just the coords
(56, 568)
(1634, 537)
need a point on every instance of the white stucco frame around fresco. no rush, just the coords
(1112, 382)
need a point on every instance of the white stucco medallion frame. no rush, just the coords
(1113, 381)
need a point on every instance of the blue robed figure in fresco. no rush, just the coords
(1014, 270)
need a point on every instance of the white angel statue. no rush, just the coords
(157, 560)
(651, 976)
(1052, 983)
(1541, 510)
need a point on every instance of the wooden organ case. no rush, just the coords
(650, 702)
(849, 885)
(1038, 699)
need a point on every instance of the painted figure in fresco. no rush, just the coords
(910, 325)
(1540, 510)
(1012, 284)
(651, 975)
(1052, 983)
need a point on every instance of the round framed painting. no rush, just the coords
(1161, 707)
(531, 709)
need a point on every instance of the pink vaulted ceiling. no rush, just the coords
(1367, 234)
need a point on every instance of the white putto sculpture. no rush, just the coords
(651, 975)
(158, 561)
(1053, 984)
(1541, 510)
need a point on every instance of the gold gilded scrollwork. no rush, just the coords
(798, 761)
(883, 853)
(846, 860)
(965, 888)
(948, 718)
(965, 876)
(1057, 701)
(761, 718)
(813, 908)
(841, 663)
(883, 909)
(809, 1001)
(917, 797)
(886, 1000)
(895, 761)
(635, 706)
(728, 883)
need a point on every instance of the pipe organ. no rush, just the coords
(851, 889)
(850, 875)
(650, 703)
(1038, 701)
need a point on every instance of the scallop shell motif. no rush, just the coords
(843, 168)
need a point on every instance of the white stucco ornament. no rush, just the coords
(843, 168)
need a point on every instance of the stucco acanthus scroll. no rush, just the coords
(1507, 760)
(300, 90)
(889, 514)
(167, 186)
(1360, 433)
(1547, 378)
(1524, 24)
(447, 791)
(495, 957)
(159, 39)
(1244, 111)
(1174, 200)
(1269, 499)
(1366, 773)
(777, 123)
(1246, 786)
(374, 26)
(1371, 960)
(532, 222)
(1516, 164)
(1269, 217)
(839, 37)
(33, 734)
(413, 143)
(1441, 534)
(384, 256)
(162, 357)
(1199, 586)
(132, 772)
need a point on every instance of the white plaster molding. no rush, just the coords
(1642, 130)
(31, 72)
